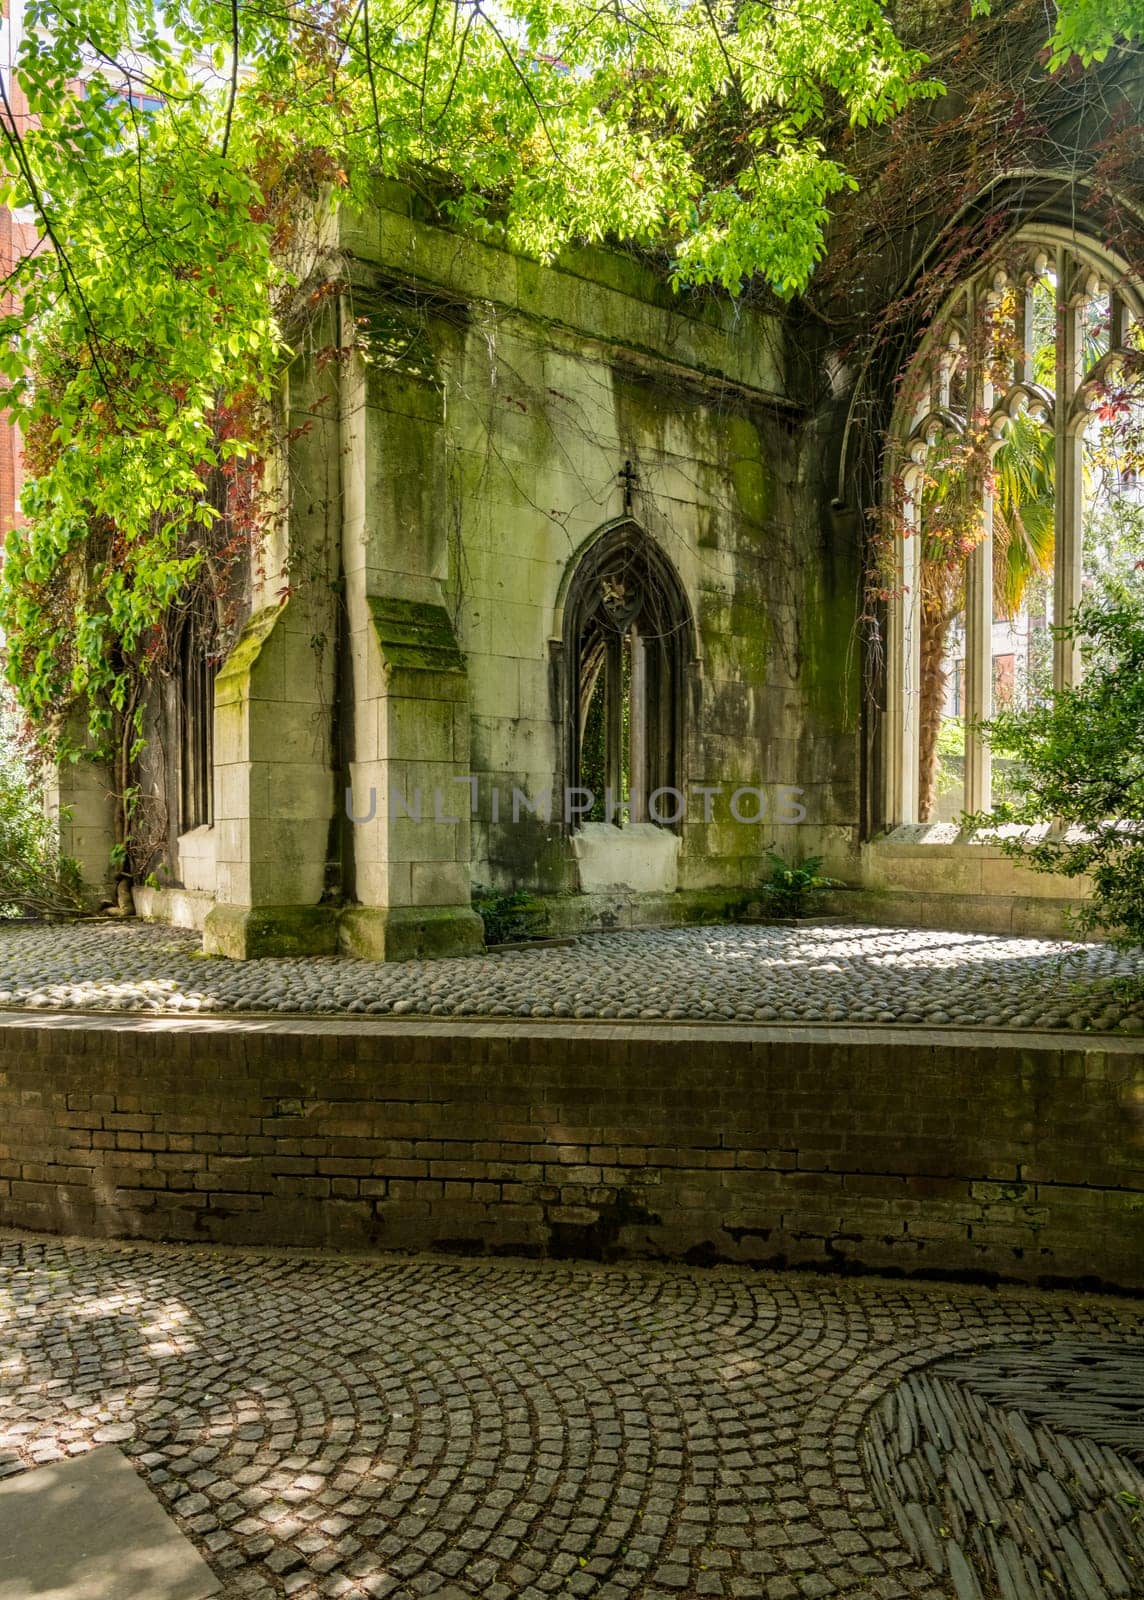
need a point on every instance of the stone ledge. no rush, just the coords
(1022, 915)
(697, 1029)
(175, 906)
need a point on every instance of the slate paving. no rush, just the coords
(357, 1427)
(748, 973)
(1021, 1468)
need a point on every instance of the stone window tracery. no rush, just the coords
(626, 633)
(992, 482)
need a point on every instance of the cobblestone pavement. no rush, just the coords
(335, 1426)
(748, 973)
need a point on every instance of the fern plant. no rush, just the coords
(790, 891)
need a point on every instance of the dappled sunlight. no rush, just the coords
(753, 972)
(378, 1424)
(108, 1306)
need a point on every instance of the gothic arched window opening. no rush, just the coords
(1016, 441)
(627, 638)
(195, 686)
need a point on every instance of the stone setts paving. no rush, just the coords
(742, 973)
(347, 1428)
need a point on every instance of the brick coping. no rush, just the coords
(357, 1026)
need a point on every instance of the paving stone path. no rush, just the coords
(745, 973)
(344, 1427)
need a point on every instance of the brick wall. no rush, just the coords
(17, 239)
(886, 1149)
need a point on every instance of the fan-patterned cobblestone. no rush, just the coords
(341, 1427)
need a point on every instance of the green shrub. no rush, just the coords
(1080, 763)
(791, 891)
(34, 878)
(507, 917)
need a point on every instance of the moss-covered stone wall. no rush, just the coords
(501, 401)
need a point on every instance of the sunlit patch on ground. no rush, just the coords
(377, 1427)
(743, 974)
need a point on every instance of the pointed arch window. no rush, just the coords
(991, 487)
(627, 638)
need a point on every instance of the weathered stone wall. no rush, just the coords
(442, 480)
(889, 1150)
(500, 401)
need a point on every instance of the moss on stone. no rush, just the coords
(750, 630)
(620, 271)
(415, 635)
(753, 488)
(748, 469)
(409, 933)
(736, 635)
(234, 674)
(243, 932)
(641, 416)
(829, 659)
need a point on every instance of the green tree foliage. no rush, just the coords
(1086, 29)
(180, 199)
(1080, 762)
(1089, 29)
(33, 876)
(180, 202)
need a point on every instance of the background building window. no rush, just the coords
(196, 675)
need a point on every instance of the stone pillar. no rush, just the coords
(979, 666)
(903, 669)
(81, 805)
(1068, 561)
(274, 774)
(411, 791)
(408, 728)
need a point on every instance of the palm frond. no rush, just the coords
(1024, 522)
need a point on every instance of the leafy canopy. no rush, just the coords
(1087, 29)
(177, 202)
(1090, 29)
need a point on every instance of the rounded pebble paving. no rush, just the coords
(719, 974)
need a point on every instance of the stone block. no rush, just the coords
(180, 908)
(407, 933)
(299, 792)
(439, 883)
(242, 932)
(307, 669)
(418, 729)
(89, 1528)
(639, 857)
(231, 733)
(196, 860)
